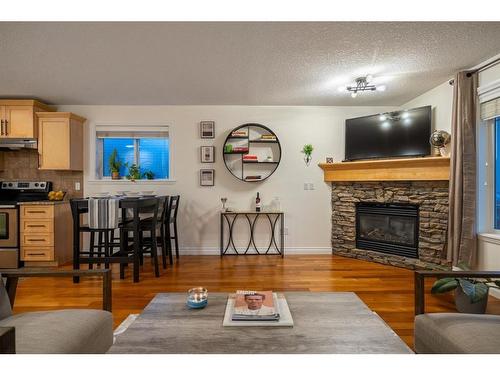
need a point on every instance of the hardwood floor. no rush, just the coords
(386, 290)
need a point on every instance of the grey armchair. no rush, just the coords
(454, 333)
(70, 331)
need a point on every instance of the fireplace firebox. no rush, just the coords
(387, 228)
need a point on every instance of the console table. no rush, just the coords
(227, 219)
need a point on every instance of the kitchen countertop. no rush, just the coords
(41, 203)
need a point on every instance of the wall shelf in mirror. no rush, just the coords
(252, 152)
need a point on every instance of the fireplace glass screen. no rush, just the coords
(387, 228)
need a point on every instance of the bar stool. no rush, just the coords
(96, 254)
(161, 239)
(140, 245)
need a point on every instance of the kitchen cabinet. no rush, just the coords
(18, 117)
(45, 234)
(60, 141)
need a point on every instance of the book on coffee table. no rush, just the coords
(255, 306)
(281, 307)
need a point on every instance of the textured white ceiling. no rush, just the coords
(295, 63)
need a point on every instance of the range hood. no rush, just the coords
(18, 143)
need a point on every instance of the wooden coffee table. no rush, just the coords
(323, 323)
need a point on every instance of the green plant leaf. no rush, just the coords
(475, 291)
(444, 285)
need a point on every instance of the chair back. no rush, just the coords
(163, 204)
(173, 208)
(141, 206)
(79, 206)
(5, 308)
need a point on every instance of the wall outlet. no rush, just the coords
(308, 186)
(77, 186)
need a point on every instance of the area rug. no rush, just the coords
(124, 325)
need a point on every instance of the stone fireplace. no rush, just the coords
(399, 223)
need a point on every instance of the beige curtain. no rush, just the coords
(462, 214)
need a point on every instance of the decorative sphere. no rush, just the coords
(440, 138)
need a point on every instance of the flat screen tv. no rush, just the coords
(389, 135)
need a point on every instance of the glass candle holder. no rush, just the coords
(197, 298)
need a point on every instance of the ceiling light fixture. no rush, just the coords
(362, 84)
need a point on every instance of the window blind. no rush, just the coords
(490, 109)
(132, 132)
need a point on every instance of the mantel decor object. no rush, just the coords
(197, 298)
(439, 140)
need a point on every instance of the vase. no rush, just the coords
(444, 151)
(307, 159)
(464, 305)
(115, 175)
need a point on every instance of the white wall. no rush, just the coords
(440, 98)
(308, 213)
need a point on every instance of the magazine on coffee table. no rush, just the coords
(255, 306)
(281, 308)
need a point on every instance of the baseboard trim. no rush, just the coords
(288, 251)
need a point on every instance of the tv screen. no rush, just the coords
(387, 135)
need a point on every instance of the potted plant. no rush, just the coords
(307, 151)
(149, 175)
(471, 294)
(134, 172)
(114, 165)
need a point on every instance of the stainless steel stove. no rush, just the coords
(11, 193)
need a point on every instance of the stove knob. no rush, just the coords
(10, 184)
(36, 184)
(42, 185)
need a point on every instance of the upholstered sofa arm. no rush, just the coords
(420, 282)
(13, 276)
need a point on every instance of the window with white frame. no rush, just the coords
(147, 148)
(489, 159)
(496, 197)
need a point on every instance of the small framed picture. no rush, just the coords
(207, 129)
(329, 160)
(207, 154)
(207, 177)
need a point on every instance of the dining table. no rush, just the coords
(132, 211)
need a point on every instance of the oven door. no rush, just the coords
(9, 238)
(8, 228)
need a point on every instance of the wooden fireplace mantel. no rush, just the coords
(433, 168)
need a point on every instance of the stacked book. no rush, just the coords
(240, 149)
(268, 137)
(253, 309)
(239, 134)
(250, 158)
(255, 306)
(253, 178)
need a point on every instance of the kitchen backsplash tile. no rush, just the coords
(23, 165)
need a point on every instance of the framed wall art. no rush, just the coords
(207, 177)
(207, 129)
(207, 154)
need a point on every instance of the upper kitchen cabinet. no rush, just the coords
(18, 117)
(60, 141)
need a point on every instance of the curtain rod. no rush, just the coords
(480, 69)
